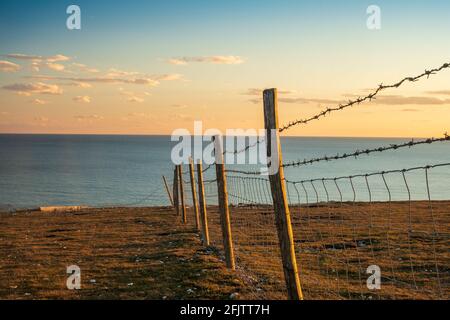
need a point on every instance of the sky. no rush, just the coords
(150, 67)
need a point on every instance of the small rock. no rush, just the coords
(92, 281)
(164, 298)
(234, 296)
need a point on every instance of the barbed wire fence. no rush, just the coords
(339, 230)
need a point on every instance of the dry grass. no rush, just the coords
(149, 248)
(139, 253)
(335, 243)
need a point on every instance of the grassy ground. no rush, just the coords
(123, 254)
(335, 243)
(146, 253)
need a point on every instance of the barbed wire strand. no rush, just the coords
(357, 153)
(369, 97)
(374, 173)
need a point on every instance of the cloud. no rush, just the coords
(34, 88)
(299, 100)
(177, 62)
(83, 85)
(440, 92)
(182, 117)
(207, 59)
(120, 73)
(380, 100)
(38, 62)
(141, 115)
(402, 100)
(258, 92)
(41, 119)
(89, 118)
(6, 66)
(85, 68)
(135, 99)
(82, 99)
(168, 77)
(106, 80)
(132, 97)
(410, 110)
(37, 66)
(180, 106)
(55, 66)
(39, 102)
(55, 58)
(309, 100)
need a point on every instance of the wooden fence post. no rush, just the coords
(223, 203)
(280, 203)
(202, 201)
(183, 204)
(194, 194)
(168, 191)
(176, 198)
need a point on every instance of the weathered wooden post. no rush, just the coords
(280, 203)
(194, 194)
(223, 203)
(202, 201)
(168, 191)
(176, 198)
(183, 204)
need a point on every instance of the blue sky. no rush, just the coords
(318, 48)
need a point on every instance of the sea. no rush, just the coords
(120, 170)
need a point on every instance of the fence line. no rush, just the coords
(357, 153)
(340, 231)
(369, 97)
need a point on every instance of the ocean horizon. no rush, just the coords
(126, 170)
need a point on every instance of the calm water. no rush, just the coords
(39, 170)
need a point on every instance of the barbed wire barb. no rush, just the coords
(369, 97)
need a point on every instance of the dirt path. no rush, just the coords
(122, 253)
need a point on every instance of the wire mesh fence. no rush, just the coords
(375, 235)
(338, 240)
(342, 227)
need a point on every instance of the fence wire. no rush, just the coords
(344, 227)
(369, 97)
(339, 235)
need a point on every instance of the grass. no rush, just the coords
(135, 253)
(146, 253)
